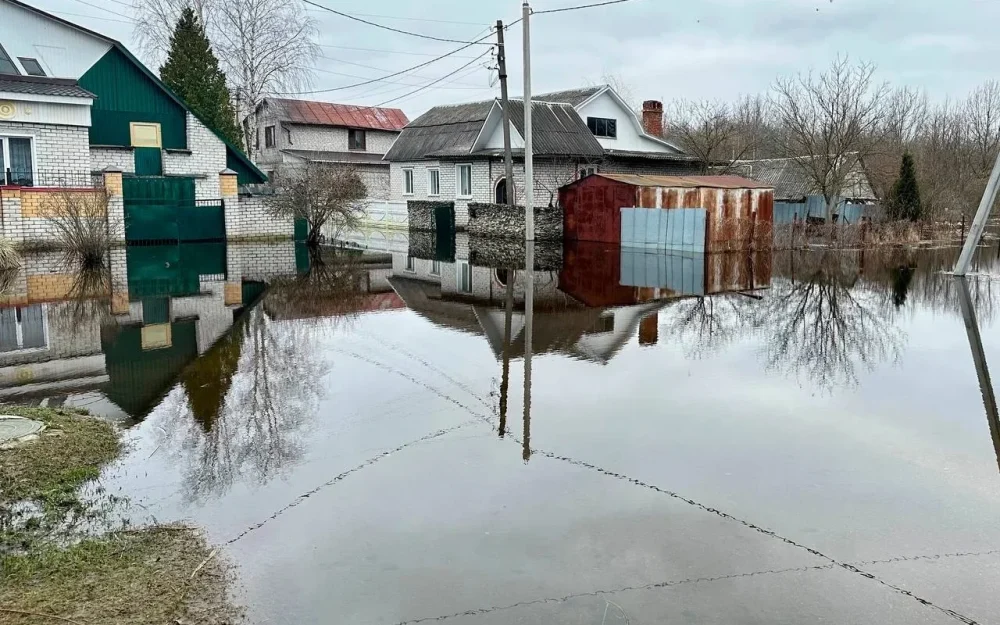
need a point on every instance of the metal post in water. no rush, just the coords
(979, 223)
(505, 367)
(529, 164)
(979, 359)
(529, 314)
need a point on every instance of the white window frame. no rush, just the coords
(408, 175)
(430, 182)
(19, 333)
(436, 268)
(411, 264)
(6, 154)
(458, 181)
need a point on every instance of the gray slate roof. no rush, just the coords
(791, 183)
(451, 131)
(573, 97)
(324, 156)
(43, 85)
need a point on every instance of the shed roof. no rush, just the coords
(345, 115)
(43, 85)
(688, 182)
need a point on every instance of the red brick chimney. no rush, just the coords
(652, 117)
(649, 328)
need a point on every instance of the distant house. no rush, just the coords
(796, 196)
(298, 132)
(455, 153)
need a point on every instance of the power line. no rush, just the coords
(431, 84)
(124, 4)
(419, 19)
(383, 26)
(325, 45)
(380, 69)
(99, 7)
(93, 17)
(576, 8)
(409, 69)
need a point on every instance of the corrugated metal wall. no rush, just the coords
(815, 206)
(125, 94)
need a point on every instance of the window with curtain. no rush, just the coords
(16, 160)
(464, 181)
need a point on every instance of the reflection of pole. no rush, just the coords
(979, 358)
(505, 377)
(529, 314)
(979, 223)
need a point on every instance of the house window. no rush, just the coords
(435, 268)
(407, 182)
(603, 127)
(23, 328)
(355, 139)
(31, 66)
(464, 175)
(464, 277)
(17, 161)
(410, 265)
(6, 65)
(587, 171)
(434, 182)
(500, 191)
(269, 137)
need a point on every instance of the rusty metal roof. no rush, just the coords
(346, 115)
(689, 182)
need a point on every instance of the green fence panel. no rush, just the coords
(153, 208)
(201, 223)
(155, 310)
(301, 229)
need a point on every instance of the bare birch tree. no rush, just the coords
(155, 21)
(718, 133)
(830, 123)
(905, 114)
(266, 47)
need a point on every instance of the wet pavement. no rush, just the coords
(772, 438)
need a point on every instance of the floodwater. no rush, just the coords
(386, 437)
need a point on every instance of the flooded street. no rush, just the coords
(386, 437)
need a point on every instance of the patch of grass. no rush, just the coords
(70, 452)
(160, 575)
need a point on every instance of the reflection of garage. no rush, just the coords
(688, 213)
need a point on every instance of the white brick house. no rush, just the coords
(455, 153)
(292, 133)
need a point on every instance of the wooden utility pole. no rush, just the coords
(508, 159)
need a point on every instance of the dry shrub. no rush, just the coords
(9, 258)
(82, 227)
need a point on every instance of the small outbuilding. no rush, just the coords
(689, 213)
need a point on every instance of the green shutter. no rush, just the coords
(148, 161)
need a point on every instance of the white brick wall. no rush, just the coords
(57, 149)
(207, 159)
(332, 139)
(253, 219)
(260, 261)
(122, 158)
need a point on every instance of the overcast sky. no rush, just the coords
(662, 48)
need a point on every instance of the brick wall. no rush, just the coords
(57, 149)
(252, 219)
(481, 191)
(206, 159)
(121, 158)
(501, 220)
(260, 261)
(329, 139)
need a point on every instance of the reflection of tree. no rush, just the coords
(704, 325)
(335, 283)
(273, 393)
(824, 324)
(208, 379)
(901, 278)
(87, 302)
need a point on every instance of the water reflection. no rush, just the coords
(979, 359)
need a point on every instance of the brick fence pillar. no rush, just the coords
(116, 202)
(10, 214)
(229, 190)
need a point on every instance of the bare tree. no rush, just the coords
(83, 228)
(831, 123)
(322, 195)
(905, 116)
(982, 119)
(266, 47)
(155, 21)
(718, 133)
(551, 174)
(623, 88)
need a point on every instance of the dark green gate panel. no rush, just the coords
(155, 310)
(126, 94)
(444, 232)
(201, 223)
(302, 261)
(301, 229)
(158, 270)
(164, 209)
(148, 161)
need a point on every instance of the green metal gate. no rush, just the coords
(165, 209)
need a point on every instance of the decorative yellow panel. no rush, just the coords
(233, 294)
(49, 203)
(119, 304)
(228, 185)
(50, 286)
(145, 135)
(156, 336)
(113, 183)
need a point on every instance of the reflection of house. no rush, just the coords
(456, 152)
(298, 132)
